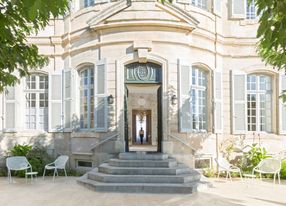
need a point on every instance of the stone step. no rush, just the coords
(138, 187)
(142, 156)
(143, 163)
(177, 179)
(108, 169)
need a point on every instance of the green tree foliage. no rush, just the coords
(18, 20)
(272, 33)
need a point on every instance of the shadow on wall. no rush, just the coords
(9, 140)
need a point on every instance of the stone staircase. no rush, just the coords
(141, 172)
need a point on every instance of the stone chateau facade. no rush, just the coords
(187, 73)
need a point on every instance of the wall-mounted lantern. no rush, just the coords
(110, 99)
(174, 99)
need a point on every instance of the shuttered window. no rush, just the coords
(282, 105)
(199, 99)
(239, 124)
(93, 97)
(193, 98)
(36, 97)
(259, 97)
(87, 98)
(238, 9)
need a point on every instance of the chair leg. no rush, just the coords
(9, 176)
(278, 178)
(55, 170)
(240, 175)
(26, 176)
(44, 173)
(274, 178)
(65, 172)
(229, 176)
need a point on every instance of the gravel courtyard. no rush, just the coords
(68, 193)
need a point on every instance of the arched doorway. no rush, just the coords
(142, 105)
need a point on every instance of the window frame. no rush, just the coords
(89, 68)
(37, 91)
(250, 11)
(199, 4)
(199, 88)
(258, 92)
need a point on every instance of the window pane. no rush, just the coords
(35, 116)
(198, 94)
(87, 98)
(259, 103)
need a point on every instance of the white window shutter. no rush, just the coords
(68, 82)
(185, 115)
(10, 109)
(282, 106)
(238, 9)
(217, 94)
(100, 97)
(55, 102)
(239, 107)
(217, 7)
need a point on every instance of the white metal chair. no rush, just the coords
(225, 166)
(268, 166)
(17, 163)
(59, 163)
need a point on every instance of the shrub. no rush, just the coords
(209, 172)
(20, 150)
(251, 158)
(283, 170)
(38, 158)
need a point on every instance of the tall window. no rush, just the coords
(251, 10)
(199, 99)
(87, 98)
(36, 93)
(200, 3)
(259, 95)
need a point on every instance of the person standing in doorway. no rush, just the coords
(141, 134)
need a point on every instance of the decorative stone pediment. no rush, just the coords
(142, 13)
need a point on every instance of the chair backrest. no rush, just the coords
(61, 161)
(223, 163)
(17, 163)
(269, 165)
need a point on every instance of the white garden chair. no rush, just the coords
(17, 163)
(59, 163)
(268, 166)
(225, 166)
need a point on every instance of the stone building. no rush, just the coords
(187, 73)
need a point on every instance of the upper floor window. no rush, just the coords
(36, 94)
(259, 96)
(88, 3)
(199, 99)
(200, 3)
(87, 98)
(251, 10)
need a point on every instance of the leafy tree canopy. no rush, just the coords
(272, 33)
(18, 20)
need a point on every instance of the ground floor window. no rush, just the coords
(199, 99)
(259, 97)
(36, 94)
(87, 98)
